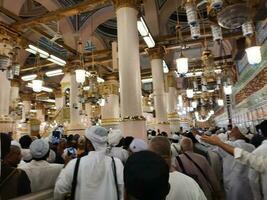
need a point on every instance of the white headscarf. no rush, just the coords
(138, 145)
(98, 136)
(39, 148)
(114, 137)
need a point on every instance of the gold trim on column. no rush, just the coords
(26, 97)
(133, 118)
(156, 52)
(15, 83)
(163, 123)
(126, 3)
(110, 121)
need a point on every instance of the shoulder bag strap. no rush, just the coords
(202, 172)
(176, 149)
(115, 177)
(8, 177)
(74, 180)
(181, 164)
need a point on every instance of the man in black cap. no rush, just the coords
(13, 182)
(146, 177)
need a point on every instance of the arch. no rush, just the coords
(99, 17)
(167, 9)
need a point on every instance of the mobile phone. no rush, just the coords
(72, 152)
(56, 137)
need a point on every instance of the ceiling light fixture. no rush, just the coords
(56, 72)
(182, 64)
(227, 89)
(189, 93)
(144, 32)
(254, 55)
(165, 67)
(29, 77)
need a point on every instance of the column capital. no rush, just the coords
(39, 106)
(26, 97)
(58, 93)
(126, 3)
(156, 52)
(15, 83)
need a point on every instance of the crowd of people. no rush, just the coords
(214, 164)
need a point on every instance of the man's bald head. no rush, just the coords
(161, 146)
(186, 144)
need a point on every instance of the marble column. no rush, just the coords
(110, 112)
(160, 103)
(6, 123)
(59, 99)
(173, 117)
(40, 115)
(14, 93)
(133, 123)
(75, 125)
(26, 107)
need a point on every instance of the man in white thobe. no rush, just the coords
(96, 175)
(42, 174)
(258, 181)
(235, 174)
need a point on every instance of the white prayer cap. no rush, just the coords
(15, 143)
(138, 145)
(243, 130)
(114, 137)
(175, 137)
(98, 136)
(39, 148)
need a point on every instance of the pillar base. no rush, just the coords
(113, 123)
(163, 127)
(75, 129)
(136, 129)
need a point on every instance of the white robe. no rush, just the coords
(184, 187)
(42, 174)
(235, 174)
(95, 178)
(258, 181)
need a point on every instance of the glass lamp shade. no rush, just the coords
(189, 93)
(37, 85)
(80, 75)
(220, 102)
(182, 65)
(254, 55)
(194, 104)
(227, 89)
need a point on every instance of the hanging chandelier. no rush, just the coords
(37, 85)
(182, 64)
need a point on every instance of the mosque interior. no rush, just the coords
(133, 65)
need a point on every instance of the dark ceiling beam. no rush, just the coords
(86, 6)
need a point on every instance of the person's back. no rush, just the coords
(235, 174)
(96, 171)
(42, 174)
(258, 180)
(13, 182)
(197, 165)
(95, 178)
(207, 181)
(183, 187)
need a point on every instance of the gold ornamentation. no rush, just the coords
(15, 83)
(133, 118)
(126, 3)
(156, 52)
(163, 123)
